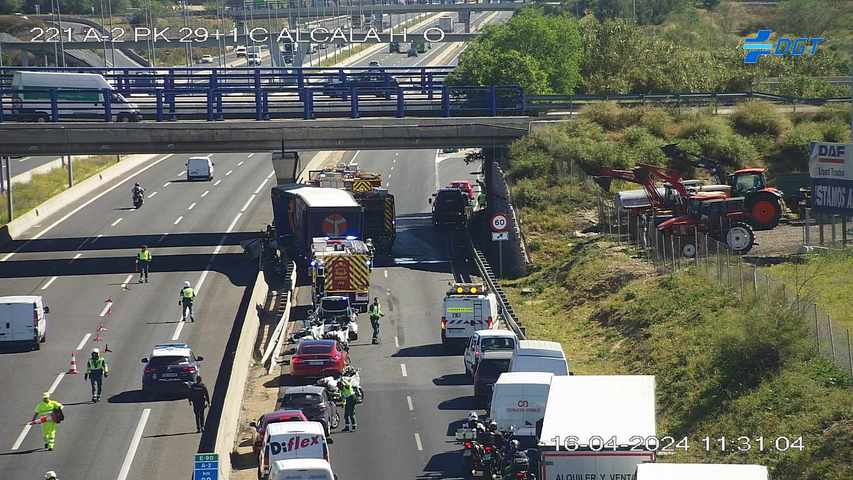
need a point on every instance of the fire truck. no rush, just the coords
(380, 223)
(341, 267)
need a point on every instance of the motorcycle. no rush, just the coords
(137, 200)
(333, 391)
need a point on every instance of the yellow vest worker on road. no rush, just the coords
(187, 295)
(48, 408)
(96, 370)
(143, 262)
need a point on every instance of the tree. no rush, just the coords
(541, 53)
(10, 6)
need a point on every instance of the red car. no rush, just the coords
(274, 417)
(466, 186)
(318, 358)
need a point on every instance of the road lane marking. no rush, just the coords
(436, 169)
(217, 182)
(166, 184)
(352, 160)
(181, 173)
(83, 342)
(192, 206)
(180, 327)
(403, 369)
(386, 273)
(56, 382)
(107, 306)
(240, 163)
(151, 195)
(396, 342)
(134, 444)
(247, 203)
(52, 279)
(409, 401)
(205, 193)
(233, 223)
(178, 220)
(21, 437)
(77, 256)
(392, 168)
(228, 172)
(418, 442)
(116, 222)
(270, 175)
(389, 177)
(126, 281)
(258, 190)
(250, 155)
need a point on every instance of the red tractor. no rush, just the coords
(709, 212)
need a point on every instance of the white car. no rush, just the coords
(207, 59)
(253, 59)
(240, 51)
(199, 167)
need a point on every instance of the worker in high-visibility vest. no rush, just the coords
(187, 295)
(143, 262)
(375, 311)
(47, 410)
(96, 371)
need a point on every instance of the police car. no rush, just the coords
(169, 368)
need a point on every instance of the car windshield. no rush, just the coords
(493, 368)
(497, 344)
(316, 348)
(167, 360)
(301, 399)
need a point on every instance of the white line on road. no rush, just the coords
(84, 205)
(151, 195)
(418, 442)
(126, 281)
(247, 203)
(205, 193)
(134, 444)
(77, 256)
(396, 342)
(386, 273)
(192, 206)
(116, 222)
(258, 190)
(166, 184)
(403, 369)
(233, 223)
(250, 155)
(436, 169)
(229, 172)
(352, 160)
(270, 175)
(178, 329)
(178, 220)
(409, 401)
(392, 168)
(22, 160)
(106, 308)
(83, 342)
(56, 382)
(181, 173)
(240, 163)
(52, 279)
(389, 177)
(21, 437)
(216, 183)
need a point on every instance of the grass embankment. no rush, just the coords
(29, 195)
(723, 367)
(824, 279)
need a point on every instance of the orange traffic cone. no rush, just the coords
(98, 338)
(107, 348)
(73, 369)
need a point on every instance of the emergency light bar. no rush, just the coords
(466, 289)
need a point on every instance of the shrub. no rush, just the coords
(792, 154)
(703, 126)
(657, 121)
(836, 132)
(828, 113)
(606, 114)
(760, 118)
(733, 149)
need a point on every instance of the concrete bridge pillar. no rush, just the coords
(465, 17)
(286, 166)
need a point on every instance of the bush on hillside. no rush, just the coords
(695, 126)
(657, 121)
(836, 132)
(732, 150)
(792, 154)
(760, 118)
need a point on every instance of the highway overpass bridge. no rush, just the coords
(319, 11)
(242, 136)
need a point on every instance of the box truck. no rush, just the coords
(700, 471)
(597, 426)
(519, 400)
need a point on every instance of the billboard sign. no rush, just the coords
(831, 171)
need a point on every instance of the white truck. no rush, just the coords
(445, 23)
(597, 427)
(700, 471)
(519, 401)
(467, 308)
(23, 321)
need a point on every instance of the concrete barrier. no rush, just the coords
(230, 417)
(16, 227)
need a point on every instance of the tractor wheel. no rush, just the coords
(764, 212)
(688, 249)
(740, 238)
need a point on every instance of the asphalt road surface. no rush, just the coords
(83, 256)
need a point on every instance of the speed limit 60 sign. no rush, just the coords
(499, 222)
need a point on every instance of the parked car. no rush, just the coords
(483, 341)
(489, 369)
(169, 368)
(450, 206)
(318, 358)
(313, 402)
(277, 416)
(466, 186)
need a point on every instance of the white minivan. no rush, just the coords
(23, 321)
(302, 469)
(79, 95)
(486, 341)
(199, 167)
(289, 440)
(539, 356)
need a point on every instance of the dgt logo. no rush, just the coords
(760, 46)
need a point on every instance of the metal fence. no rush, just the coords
(714, 261)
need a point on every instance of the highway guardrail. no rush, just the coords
(504, 307)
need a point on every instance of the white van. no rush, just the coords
(302, 469)
(486, 341)
(199, 167)
(539, 356)
(467, 308)
(79, 95)
(289, 440)
(700, 471)
(519, 400)
(23, 320)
